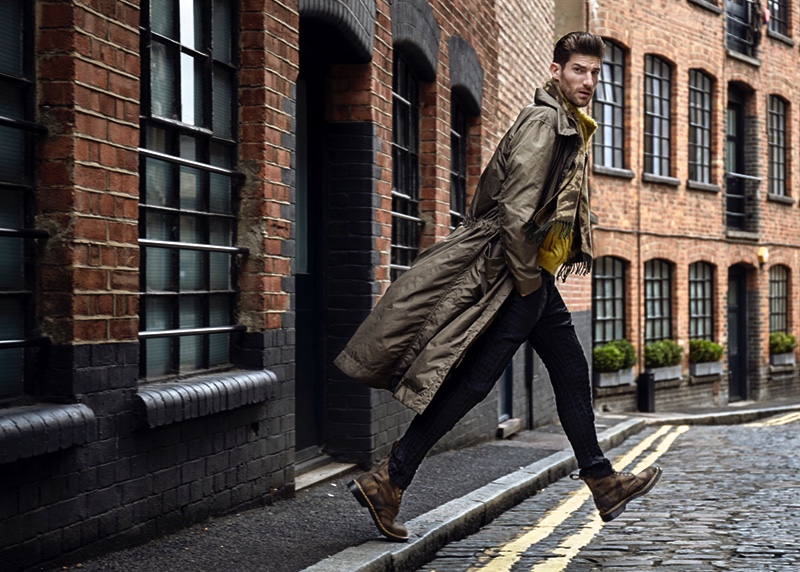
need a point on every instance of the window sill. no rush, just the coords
(705, 187)
(780, 37)
(613, 172)
(746, 59)
(660, 180)
(37, 429)
(711, 7)
(166, 403)
(742, 235)
(782, 199)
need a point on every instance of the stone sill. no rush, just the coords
(782, 199)
(613, 172)
(705, 187)
(742, 235)
(780, 37)
(744, 58)
(166, 403)
(703, 379)
(708, 5)
(660, 180)
(34, 430)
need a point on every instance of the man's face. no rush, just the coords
(577, 78)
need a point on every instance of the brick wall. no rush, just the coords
(641, 220)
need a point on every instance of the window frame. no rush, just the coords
(20, 291)
(701, 301)
(406, 220)
(700, 126)
(608, 277)
(205, 155)
(658, 274)
(777, 136)
(657, 116)
(779, 299)
(779, 17)
(612, 78)
(458, 164)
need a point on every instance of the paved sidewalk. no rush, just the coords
(324, 529)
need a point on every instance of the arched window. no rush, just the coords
(778, 299)
(701, 301)
(609, 110)
(776, 133)
(657, 116)
(608, 299)
(699, 127)
(657, 300)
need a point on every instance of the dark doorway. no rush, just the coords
(309, 259)
(737, 333)
(505, 402)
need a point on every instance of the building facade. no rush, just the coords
(199, 203)
(694, 184)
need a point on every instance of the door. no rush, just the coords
(309, 276)
(737, 333)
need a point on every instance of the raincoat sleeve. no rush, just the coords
(529, 155)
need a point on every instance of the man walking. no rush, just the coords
(445, 330)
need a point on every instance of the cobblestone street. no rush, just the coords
(729, 499)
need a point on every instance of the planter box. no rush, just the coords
(782, 359)
(614, 378)
(669, 372)
(706, 368)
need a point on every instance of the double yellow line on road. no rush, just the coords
(510, 553)
(775, 421)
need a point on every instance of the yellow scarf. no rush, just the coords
(555, 248)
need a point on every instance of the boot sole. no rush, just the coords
(362, 499)
(620, 508)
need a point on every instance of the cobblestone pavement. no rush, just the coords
(729, 500)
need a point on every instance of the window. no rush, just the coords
(777, 145)
(405, 167)
(608, 299)
(17, 134)
(458, 165)
(778, 299)
(657, 89)
(699, 127)
(701, 301)
(779, 16)
(609, 110)
(743, 22)
(657, 300)
(187, 223)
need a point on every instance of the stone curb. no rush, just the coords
(463, 516)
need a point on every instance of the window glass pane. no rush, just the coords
(10, 38)
(218, 349)
(12, 103)
(158, 183)
(223, 25)
(162, 85)
(158, 313)
(220, 271)
(190, 189)
(11, 361)
(12, 155)
(223, 97)
(191, 90)
(158, 269)
(188, 27)
(220, 194)
(158, 356)
(191, 273)
(161, 17)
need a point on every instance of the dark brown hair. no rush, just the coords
(582, 43)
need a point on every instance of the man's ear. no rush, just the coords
(555, 71)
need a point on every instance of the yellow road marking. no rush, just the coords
(510, 553)
(775, 421)
(573, 544)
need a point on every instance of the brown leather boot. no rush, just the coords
(375, 492)
(613, 493)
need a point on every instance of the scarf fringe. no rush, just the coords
(563, 231)
(581, 267)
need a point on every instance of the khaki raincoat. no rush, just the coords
(426, 320)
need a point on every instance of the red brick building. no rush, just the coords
(694, 184)
(199, 202)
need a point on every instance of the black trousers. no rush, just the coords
(542, 319)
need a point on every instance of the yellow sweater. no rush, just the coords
(554, 249)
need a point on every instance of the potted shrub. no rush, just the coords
(704, 357)
(781, 348)
(663, 359)
(613, 363)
